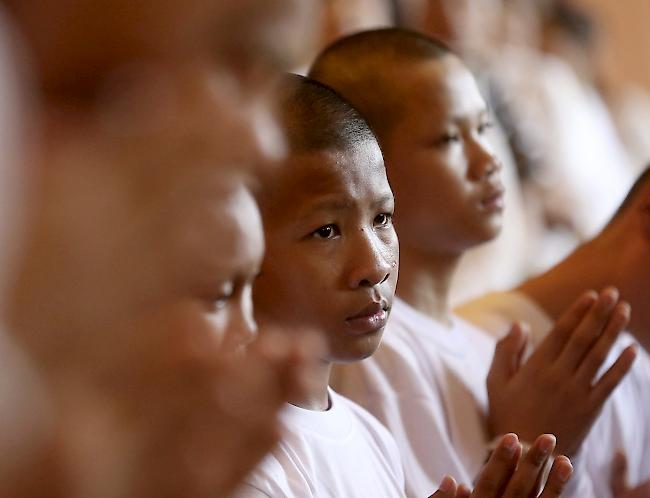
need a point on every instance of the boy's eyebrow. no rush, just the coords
(326, 205)
(384, 200)
(341, 205)
(482, 113)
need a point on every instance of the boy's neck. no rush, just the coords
(425, 282)
(316, 396)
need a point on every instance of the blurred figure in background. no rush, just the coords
(581, 170)
(24, 410)
(340, 18)
(577, 36)
(112, 296)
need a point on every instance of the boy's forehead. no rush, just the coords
(357, 170)
(443, 85)
(222, 231)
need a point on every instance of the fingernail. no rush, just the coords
(547, 444)
(565, 471)
(610, 296)
(448, 485)
(510, 443)
(626, 309)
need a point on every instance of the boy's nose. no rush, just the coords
(370, 267)
(483, 163)
(242, 329)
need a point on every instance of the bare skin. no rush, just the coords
(509, 475)
(358, 242)
(591, 264)
(621, 488)
(561, 371)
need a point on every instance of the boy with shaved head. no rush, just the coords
(427, 381)
(619, 254)
(331, 266)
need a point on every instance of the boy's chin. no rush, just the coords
(356, 348)
(486, 232)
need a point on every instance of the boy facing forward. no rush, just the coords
(331, 265)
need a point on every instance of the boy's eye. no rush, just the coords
(383, 219)
(483, 127)
(448, 139)
(221, 301)
(218, 300)
(326, 232)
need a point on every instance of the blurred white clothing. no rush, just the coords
(584, 171)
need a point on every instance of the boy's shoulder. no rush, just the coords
(410, 330)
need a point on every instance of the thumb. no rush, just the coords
(619, 474)
(508, 354)
(447, 488)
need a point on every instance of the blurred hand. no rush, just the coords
(620, 483)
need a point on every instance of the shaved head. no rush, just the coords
(315, 118)
(365, 67)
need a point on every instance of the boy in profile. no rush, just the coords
(331, 266)
(431, 370)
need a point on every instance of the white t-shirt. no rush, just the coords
(426, 383)
(623, 424)
(343, 452)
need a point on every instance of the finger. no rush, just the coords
(619, 481)
(447, 488)
(463, 492)
(560, 474)
(614, 375)
(507, 355)
(526, 476)
(554, 342)
(499, 468)
(599, 352)
(589, 330)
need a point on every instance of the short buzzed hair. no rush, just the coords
(315, 118)
(358, 67)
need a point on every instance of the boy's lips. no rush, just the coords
(493, 201)
(370, 319)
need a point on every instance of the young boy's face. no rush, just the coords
(224, 242)
(445, 176)
(332, 251)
